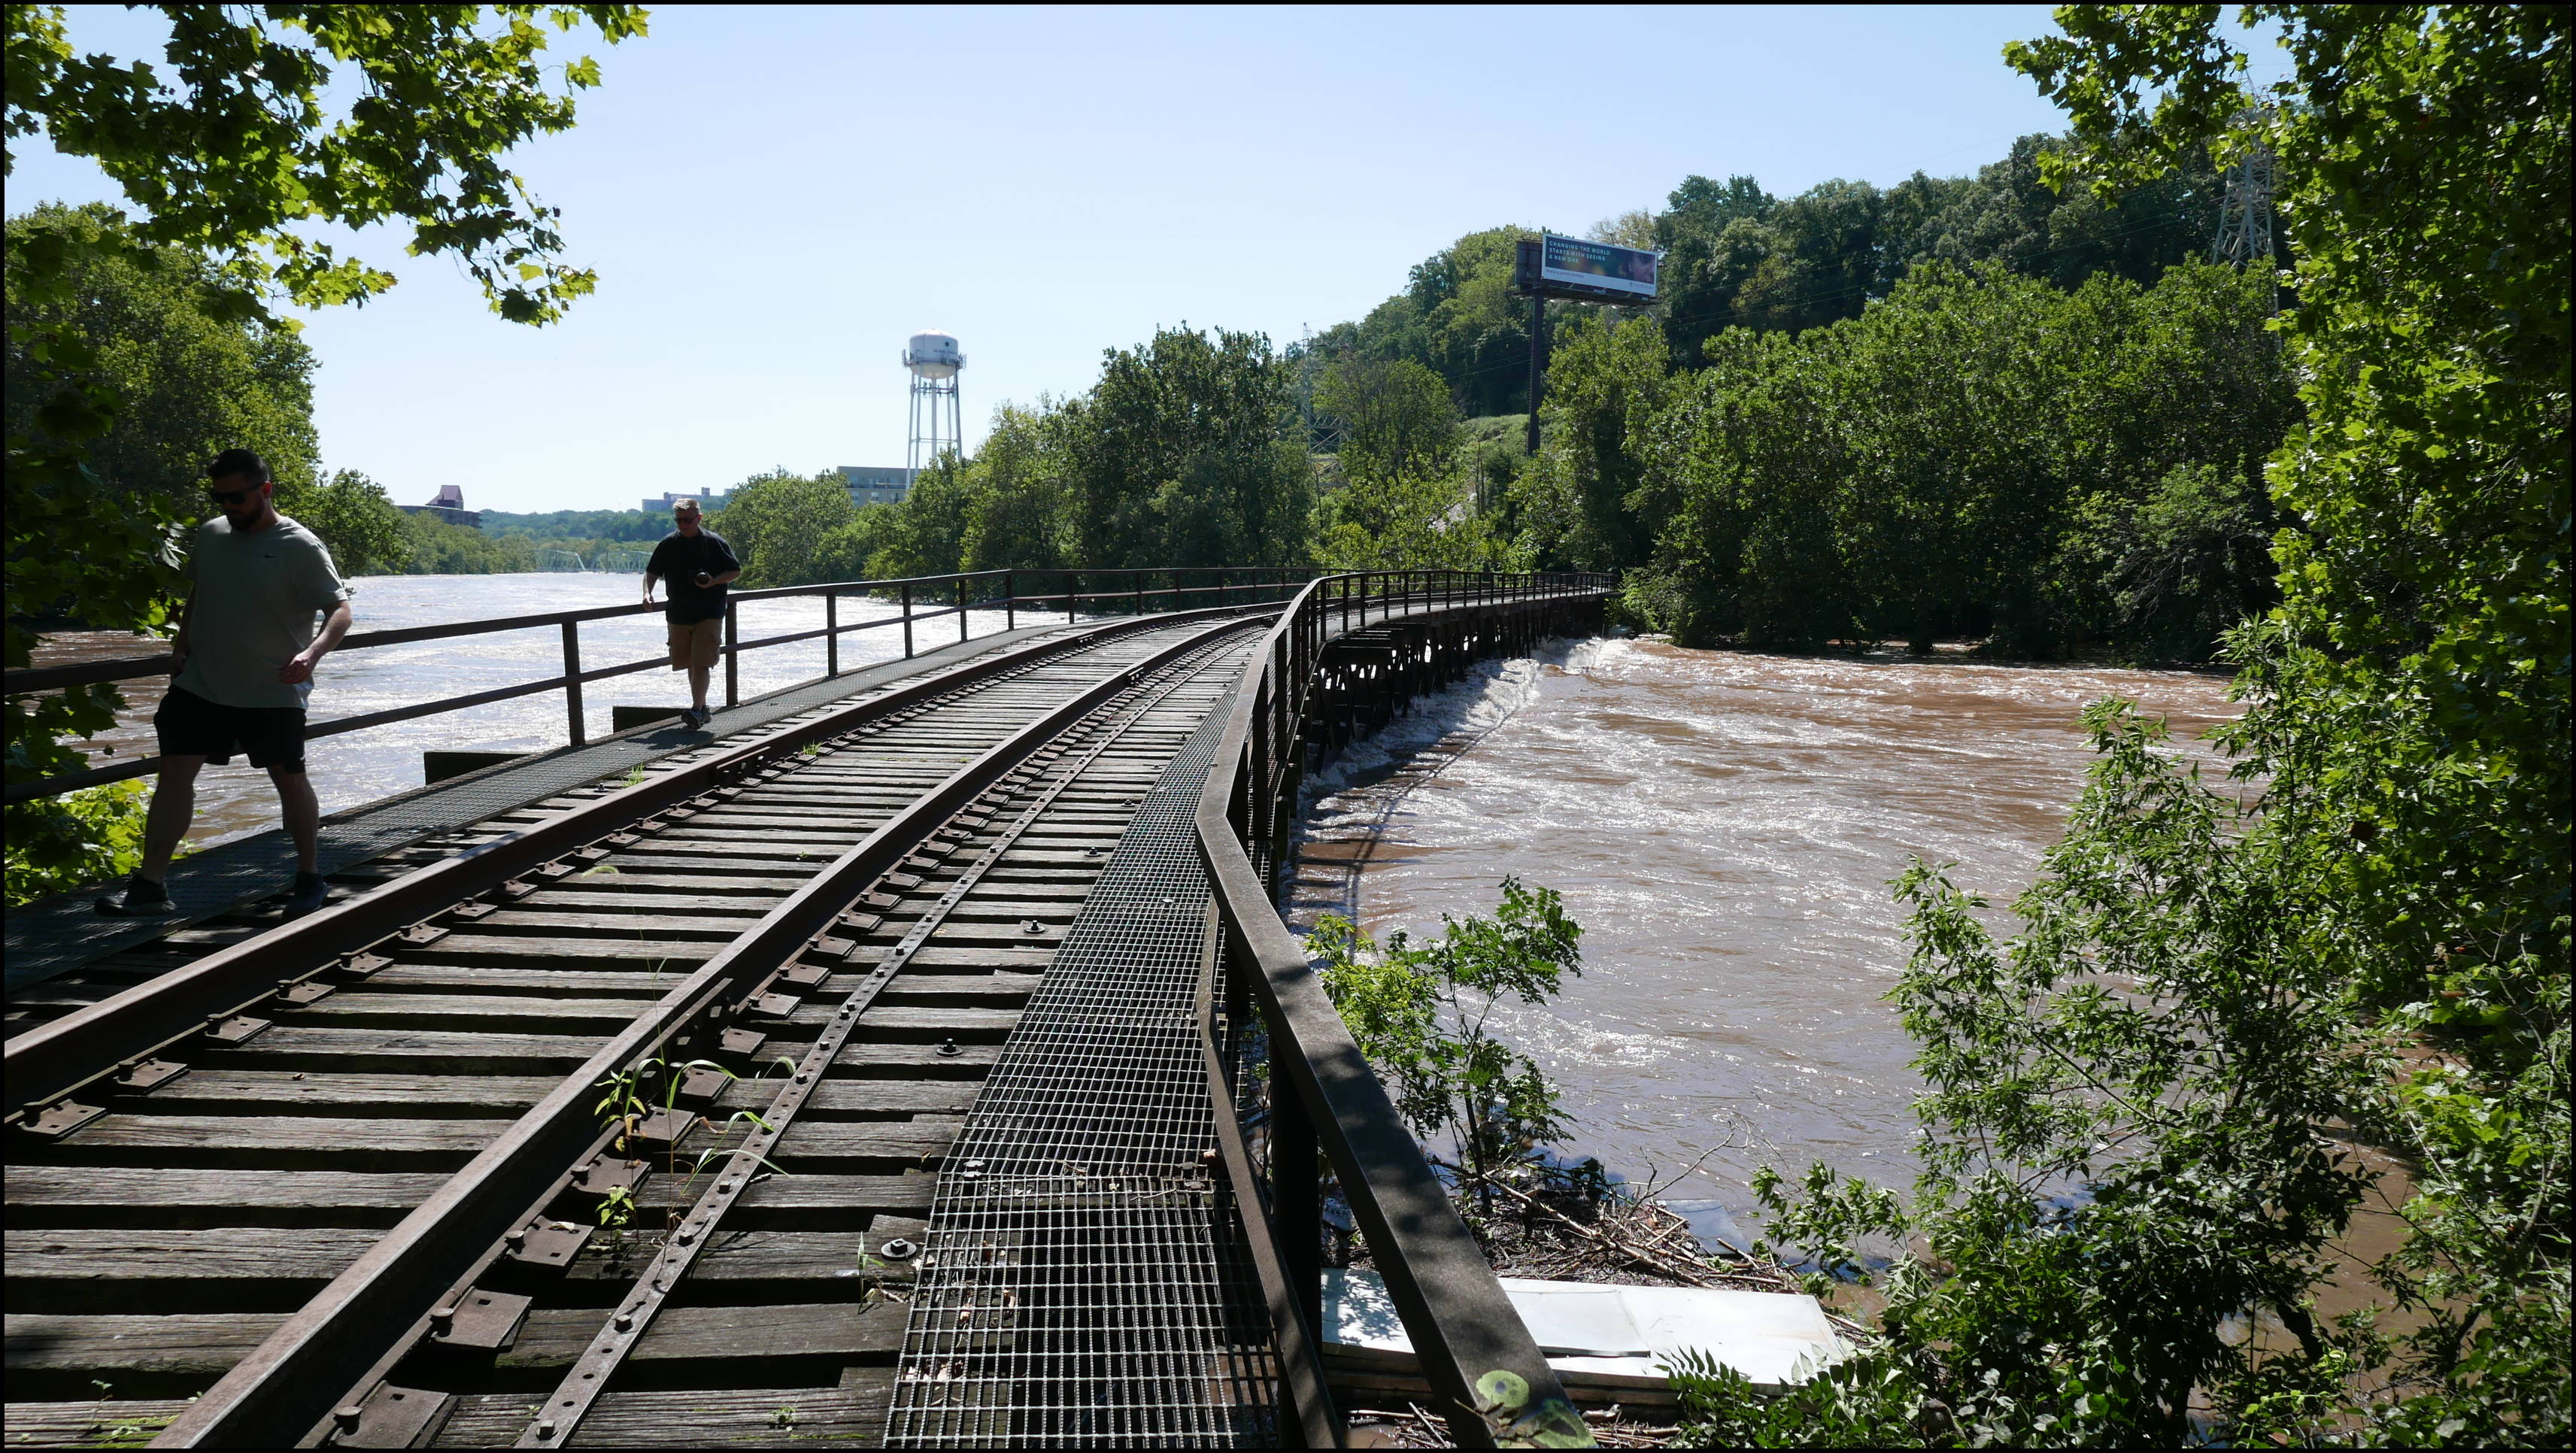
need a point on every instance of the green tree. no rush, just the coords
(2143, 1111)
(191, 378)
(227, 156)
(1604, 375)
(1979, 452)
(435, 547)
(2409, 701)
(777, 524)
(1186, 452)
(1457, 316)
(1421, 1014)
(1017, 517)
(1393, 416)
(352, 515)
(926, 533)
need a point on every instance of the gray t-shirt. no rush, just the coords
(258, 595)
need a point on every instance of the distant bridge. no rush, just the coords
(962, 1086)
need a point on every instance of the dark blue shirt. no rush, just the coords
(679, 560)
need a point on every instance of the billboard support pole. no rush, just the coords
(1538, 360)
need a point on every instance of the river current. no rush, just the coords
(1723, 825)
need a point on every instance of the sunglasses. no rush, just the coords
(234, 496)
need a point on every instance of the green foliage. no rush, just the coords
(1408, 498)
(1581, 506)
(1978, 453)
(1393, 417)
(147, 326)
(1419, 1013)
(367, 535)
(640, 527)
(61, 843)
(433, 546)
(778, 524)
(2143, 1113)
(135, 342)
(1458, 317)
(926, 533)
(1409, 522)
(1018, 513)
(1188, 452)
(233, 147)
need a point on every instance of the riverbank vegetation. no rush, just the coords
(1490, 1120)
(2228, 1019)
(2234, 1017)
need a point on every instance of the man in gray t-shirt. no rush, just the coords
(246, 650)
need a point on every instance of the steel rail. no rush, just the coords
(556, 1419)
(287, 1388)
(1482, 1364)
(50, 1061)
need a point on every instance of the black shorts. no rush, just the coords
(191, 726)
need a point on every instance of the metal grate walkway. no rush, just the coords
(1083, 1281)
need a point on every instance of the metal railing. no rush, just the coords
(923, 599)
(1324, 1097)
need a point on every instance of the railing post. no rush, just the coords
(907, 620)
(1072, 593)
(1010, 600)
(831, 633)
(572, 680)
(1140, 592)
(733, 653)
(1297, 1199)
(961, 610)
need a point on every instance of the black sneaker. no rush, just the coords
(310, 893)
(143, 898)
(697, 717)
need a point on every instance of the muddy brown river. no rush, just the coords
(1723, 825)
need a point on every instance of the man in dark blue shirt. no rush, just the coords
(699, 565)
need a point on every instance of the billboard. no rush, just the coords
(1598, 266)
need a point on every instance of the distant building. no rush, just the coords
(450, 507)
(871, 486)
(709, 501)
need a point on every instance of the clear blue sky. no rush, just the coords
(775, 198)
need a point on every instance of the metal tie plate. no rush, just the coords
(547, 1243)
(484, 1321)
(391, 1417)
(233, 1029)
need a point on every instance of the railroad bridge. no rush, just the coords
(915, 1056)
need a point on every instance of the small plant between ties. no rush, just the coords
(629, 1103)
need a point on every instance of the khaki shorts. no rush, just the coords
(694, 643)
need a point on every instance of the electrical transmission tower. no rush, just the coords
(2245, 217)
(2245, 213)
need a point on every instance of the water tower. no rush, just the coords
(938, 426)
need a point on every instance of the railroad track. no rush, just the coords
(625, 1133)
